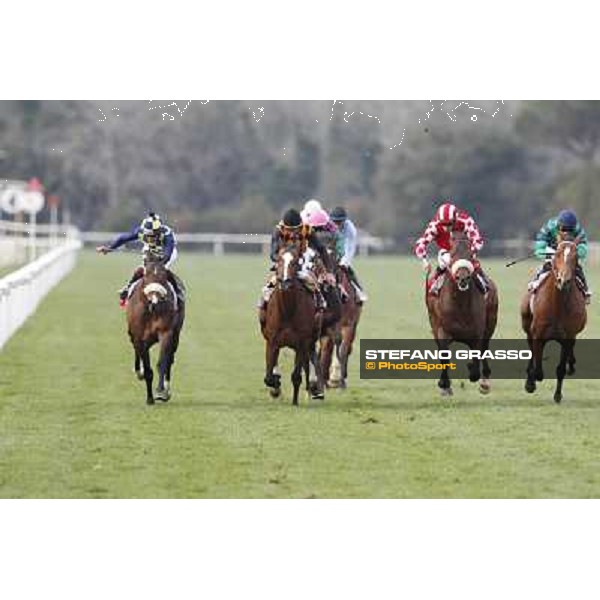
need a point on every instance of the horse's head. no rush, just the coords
(156, 280)
(288, 264)
(461, 260)
(564, 261)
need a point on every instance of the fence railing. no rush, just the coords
(22, 290)
(218, 243)
(24, 242)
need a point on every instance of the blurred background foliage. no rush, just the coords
(235, 166)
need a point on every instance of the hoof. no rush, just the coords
(313, 389)
(163, 395)
(445, 392)
(275, 392)
(343, 384)
(530, 387)
(140, 375)
(149, 401)
(333, 383)
(485, 386)
(557, 398)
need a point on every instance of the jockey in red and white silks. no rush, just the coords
(447, 220)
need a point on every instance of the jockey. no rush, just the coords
(310, 207)
(348, 233)
(449, 219)
(289, 228)
(546, 242)
(158, 239)
(327, 233)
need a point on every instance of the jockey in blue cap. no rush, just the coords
(158, 240)
(546, 242)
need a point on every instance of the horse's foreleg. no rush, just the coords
(317, 386)
(326, 353)
(148, 374)
(530, 384)
(271, 380)
(571, 361)
(166, 350)
(538, 356)
(137, 362)
(566, 350)
(474, 366)
(444, 382)
(174, 346)
(300, 360)
(345, 350)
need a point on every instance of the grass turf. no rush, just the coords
(74, 422)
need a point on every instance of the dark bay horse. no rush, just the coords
(556, 311)
(461, 313)
(155, 315)
(336, 344)
(291, 321)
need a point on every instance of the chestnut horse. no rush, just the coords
(461, 313)
(154, 315)
(556, 311)
(291, 321)
(336, 345)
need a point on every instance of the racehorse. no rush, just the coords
(154, 315)
(291, 321)
(461, 313)
(555, 311)
(336, 344)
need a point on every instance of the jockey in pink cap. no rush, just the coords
(327, 231)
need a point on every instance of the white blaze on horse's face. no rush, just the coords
(287, 261)
(565, 273)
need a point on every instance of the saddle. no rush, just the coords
(533, 286)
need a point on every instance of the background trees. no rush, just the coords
(236, 165)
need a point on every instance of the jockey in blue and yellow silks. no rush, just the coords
(546, 241)
(158, 240)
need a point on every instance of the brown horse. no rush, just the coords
(155, 315)
(461, 313)
(336, 345)
(291, 321)
(556, 311)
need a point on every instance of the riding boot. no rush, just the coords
(265, 295)
(580, 275)
(360, 292)
(124, 291)
(533, 284)
(483, 281)
(179, 287)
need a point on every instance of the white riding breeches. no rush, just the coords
(443, 259)
(172, 260)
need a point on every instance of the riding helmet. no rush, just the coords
(338, 214)
(292, 218)
(151, 224)
(567, 220)
(446, 213)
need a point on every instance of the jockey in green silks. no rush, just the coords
(546, 242)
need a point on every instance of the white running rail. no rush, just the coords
(22, 290)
